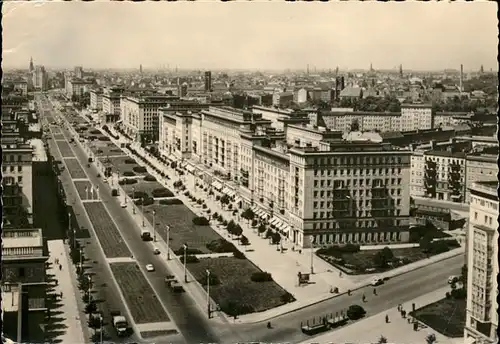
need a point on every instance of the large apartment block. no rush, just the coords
(482, 264)
(321, 184)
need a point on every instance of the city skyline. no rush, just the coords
(96, 35)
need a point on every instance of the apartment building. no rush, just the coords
(416, 116)
(40, 79)
(17, 183)
(96, 100)
(23, 283)
(77, 87)
(480, 167)
(282, 99)
(111, 106)
(273, 114)
(482, 264)
(21, 86)
(140, 114)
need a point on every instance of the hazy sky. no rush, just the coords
(261, 35)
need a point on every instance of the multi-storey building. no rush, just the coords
(140, 114)
(282, 99)
(24, 282)
(312, 181)
(111, 106)
(21, 86)
(480, 167)
(40, 78)
(482, 264)
(416, 116)
(77, 87)
(96, 99)
(17, 184)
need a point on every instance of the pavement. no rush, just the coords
(398, 330)
(71, 307)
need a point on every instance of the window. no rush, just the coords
(22, 272)
(20, 179)
(12, 169)
(19, 168)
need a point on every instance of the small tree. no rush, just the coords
(224, 200)
(244, 240)
(254, 223)
(231, 227)
(382, 339)
(262, 228)
(431, 338)
(238, 230)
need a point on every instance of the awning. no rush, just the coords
(259, 212)
(190, 168)
(172, 157)
(254, 209)
(183, 164)
(264, 215)
(237, 200)
(287, 229)
(283, 227)
(217, 185)
(274, 221)
(226, 191)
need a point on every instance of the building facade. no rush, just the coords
(482, 264)
(40, 79)
(480, 167)
(96, 100)
(111, 104)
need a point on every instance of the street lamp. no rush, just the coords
(154, 227)
(185, 263)
(312, 253)
(142, 209)
(133, 198)
(208, 293)
(81, 260)
(168, 242)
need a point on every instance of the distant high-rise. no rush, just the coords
(79, 72)
(308, 69)
(337, 71)
(401, 70)
(140, 68)
(371, 67)
(208, 81)
(481, 70)
(461, 77)
(32, 67)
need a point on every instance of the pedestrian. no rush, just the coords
(61, 295)
(404, 314)
(60, 267)
(386, 319)
(57, 282)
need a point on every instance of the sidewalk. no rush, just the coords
(70, 308)
(398, 330)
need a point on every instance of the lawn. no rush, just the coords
(182, 229)
(363, 261)
(108, 235)
(120, 165)
(142, 186)
(141, 300)
(75, 169)
(235, 284)
(59, 137)
(80, 187)
(105, 148)
(446, 316)
(65, 149)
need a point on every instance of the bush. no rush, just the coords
(448, 295)
(190, 259)
(187, 194)
(95, 132)
(215, 215)
(162, 193)
(104, 138)
(221, 246)
(459, 294)
(233, 308)
(171, 201)
(114, 192)
(201, 221)
(355, 312)
(261, 276)
(238, 255)
(287, 297)
(139, 169)
(150, 178)
(189, 251)
(145, 201)
(128, 174)
(129, 161)
(254, 223)
(244, 241)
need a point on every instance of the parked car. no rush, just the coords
(123, 205)
(355, 312)
(150, 268)
(156, 250)
(376, 281)
(453, 279)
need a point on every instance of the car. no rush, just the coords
(150, 268)
(123, 205)
(452, 279)
(376, 281)
(156, 250)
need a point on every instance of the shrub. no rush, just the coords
(162, 193)
(221, 246)
(129, 161)
(150, 178)
(459, 294)
(448, 295)
(201, 221)
(244, 241)
(139, 169)
(190, 259)
(204, 206)
(254, 223)
(238, 255)
(104, 138)
(128, 174)
(95, 132)
(215, 215)
(261, 276)
(171, 201)
(187, 194)
(233, 308)
(145, 201)
(287, 297)
(355, 312)
(189, 251)
(114, 192)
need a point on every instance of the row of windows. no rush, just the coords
(362, 182)
(357, 160)
(357, 171)
(356, 224)
(484, 203)
(359, 203)
(12, 168)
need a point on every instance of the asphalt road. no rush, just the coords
(188, 317)
(196, 328)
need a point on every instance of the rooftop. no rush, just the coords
(486, 187)
(22, 238)
(448, 154)
(10, 299)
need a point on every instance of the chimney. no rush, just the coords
(433, 144)
(461, 77)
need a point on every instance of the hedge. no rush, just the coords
(261, 276)
(145, 201)
(128, 174)
(150, 178)
(221, 246)
(104, 138)
(163, 192)
(201, 221)
(190, 259)
(189, 251)
(127, 181)
(129, 161)
(139, 169)
(171, 201)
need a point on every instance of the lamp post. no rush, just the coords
(208, 293)
(100, 317)
(81, 260)
(133, 198)
(185, 263)
(154, 227)
(168, 242)
(142, 209)
(90, 286)
(312, 254)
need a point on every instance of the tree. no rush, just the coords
(231, 227)
(238, 230)
(224, 200)
(355, 125)
(387, 253)
(91, 308)
(276, 238)
(425, 243)
(379, 260)
(262, 228)
(244, 240)
(431, 338)
(382, 339)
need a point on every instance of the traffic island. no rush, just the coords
(446, 316)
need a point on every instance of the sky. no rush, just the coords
(251, 35)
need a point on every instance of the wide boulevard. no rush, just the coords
(196, 328)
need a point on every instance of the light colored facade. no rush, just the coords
(481, 167)
(482, 264)
(415, 117)
(111, 101)
(17, 177)
(77, 87)
(417, 168)
(300, 96)
(140, 114)
(273, 114)
(40, 78)
(22, 86)
(282, 99)
(335, 190)
(96, 100)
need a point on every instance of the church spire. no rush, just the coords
(32, 68)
